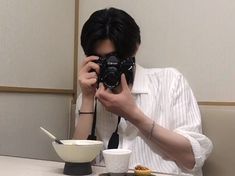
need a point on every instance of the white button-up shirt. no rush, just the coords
(163, 95)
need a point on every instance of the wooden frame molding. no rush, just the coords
(75, 66)
(8, 89)
(215, 103)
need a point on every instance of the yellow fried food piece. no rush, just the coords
(142, 171)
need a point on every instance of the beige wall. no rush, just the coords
(195, 36)
(37, 40)
(36, 51)
(21, 115)
(218, 125)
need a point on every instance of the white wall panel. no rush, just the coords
(36, 51)
(21, 115)
(37, 43)
(195, 36)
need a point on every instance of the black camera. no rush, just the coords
(111, 69)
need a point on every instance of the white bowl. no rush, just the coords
(117, 160)
(78, 151)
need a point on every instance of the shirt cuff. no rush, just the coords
(199, 155)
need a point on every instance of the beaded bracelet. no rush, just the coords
(81, 112)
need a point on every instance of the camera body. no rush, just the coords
(111, 69)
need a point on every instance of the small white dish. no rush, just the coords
(117, 160)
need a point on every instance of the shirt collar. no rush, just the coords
(140, 85)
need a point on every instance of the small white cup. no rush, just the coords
(117, 160)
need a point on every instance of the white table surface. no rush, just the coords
(15, 166)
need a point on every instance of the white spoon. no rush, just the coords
(51, 135)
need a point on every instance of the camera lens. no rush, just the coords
(111, 77)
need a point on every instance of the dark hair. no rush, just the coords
(113, 24)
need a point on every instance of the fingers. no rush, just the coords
(103, 94)
(89, 59)
(91, 66)
(99, 91)
(87, 80)
(88, 64)
(124, 82)
(88, 75)
(91, 75)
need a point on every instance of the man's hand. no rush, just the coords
(121, 103)
(87, 77)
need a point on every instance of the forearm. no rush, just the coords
(84, 121)
(175, 146)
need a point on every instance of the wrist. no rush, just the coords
(137, 117)
(87, 104)
(143, 123)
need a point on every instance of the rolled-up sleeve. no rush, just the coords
(187, 118)
(201, 146)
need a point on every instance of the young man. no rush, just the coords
(153, 111)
